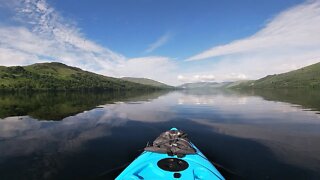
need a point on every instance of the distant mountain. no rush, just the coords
(146, 81)
(239, 83)
(204, 85)
(58, 76)
(307, 77)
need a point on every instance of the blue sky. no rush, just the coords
(129, 26)
(173, 41)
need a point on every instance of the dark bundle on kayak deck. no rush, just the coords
(172, 142)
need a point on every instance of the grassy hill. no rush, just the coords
(307, 77)
(58, 76)
(146, 81)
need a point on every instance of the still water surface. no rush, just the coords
(248, 135)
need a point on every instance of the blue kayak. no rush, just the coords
(171, 156)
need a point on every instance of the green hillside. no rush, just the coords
(241, 83)
(146, 81)
(307, 77)
(58, 76)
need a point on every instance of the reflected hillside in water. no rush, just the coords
(308, 99)
(56, 106)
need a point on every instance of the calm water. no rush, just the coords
(248, 135)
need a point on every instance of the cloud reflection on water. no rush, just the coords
(291, 133)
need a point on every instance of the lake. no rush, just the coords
(246, 134)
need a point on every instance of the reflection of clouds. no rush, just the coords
(25, 136)
(70, 133)
(286, 129)
(247, 109)
(154, 111)
(289, 131)
(291, 143)
(47, 142)
(195, 100)
(15, 126)
(189, 99)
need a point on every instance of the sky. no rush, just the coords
(172, 41)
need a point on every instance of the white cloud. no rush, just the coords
(151, 67)
(158, 43)
(41, 34)
(289, 41)
(207, 77)
(196, 78)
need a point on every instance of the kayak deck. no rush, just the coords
(154, 165)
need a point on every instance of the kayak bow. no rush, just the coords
(171, 156)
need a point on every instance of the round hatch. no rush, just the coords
(173, 164)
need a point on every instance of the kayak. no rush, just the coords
(171, 156)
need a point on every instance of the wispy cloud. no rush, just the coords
(197, 78)
(159, 42)
(39, 33)
(207, 77)
(288, 41)
(295, 28)
(42, 32)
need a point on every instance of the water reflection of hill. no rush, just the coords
(291, 133)
(56, 106)
(307, 98)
